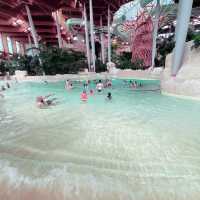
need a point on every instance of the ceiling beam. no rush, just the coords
(8, 13)
(10, 30)
(20, 39)
(43, 23)
(49, 36)
(46, 30)
(38, 13)
(5, 22)
(7, 3)
(72, 9)
(19, 34)
(51, 40)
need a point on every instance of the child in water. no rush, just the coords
(99, 86)
(91, 92)
(84, 96)
(68, 85)
(109, 96)
(7, 85)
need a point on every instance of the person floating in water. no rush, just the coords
(109, 96)
(44, 101)
(84, 96)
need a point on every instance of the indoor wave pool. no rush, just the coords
(141, 145)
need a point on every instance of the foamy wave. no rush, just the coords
(69, 185)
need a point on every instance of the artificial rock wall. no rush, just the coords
(187, 81)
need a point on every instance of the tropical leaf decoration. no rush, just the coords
(130, 10)
(144, 3)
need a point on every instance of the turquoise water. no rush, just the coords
(139, 146)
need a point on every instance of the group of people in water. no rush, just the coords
(99, 88)
(133, 84)
(49, 100)
(88, 90)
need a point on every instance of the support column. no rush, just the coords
(5, 42)
(58, 30)
(14, 47)
(184, 13)
(29, 41)
(102, 42)
(22, 48)
(87, 38)
(30, 44)
(92, 34)
(155, 32)
(33, 31)
(109, 36)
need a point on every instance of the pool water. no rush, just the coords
(139, 146)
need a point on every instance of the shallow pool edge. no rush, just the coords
(180, 96)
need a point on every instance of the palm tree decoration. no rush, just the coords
(137, 20)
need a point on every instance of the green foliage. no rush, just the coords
(50, 60)
(163, 49)
(2, 68)
(100, 67)
(190, 35)
(24, 63)
(196, 39)
(166, 47)
(124, 62)
(61, 61)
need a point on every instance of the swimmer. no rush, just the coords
(68, 85)
(84, 96)
(99, 86)
(16, 81)
(8, 85)
(44, 101)
(91, 92)
(88, 82)
(109, 83)
(3, 88)
(85, 85)
(109, 96)
(133, 85)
